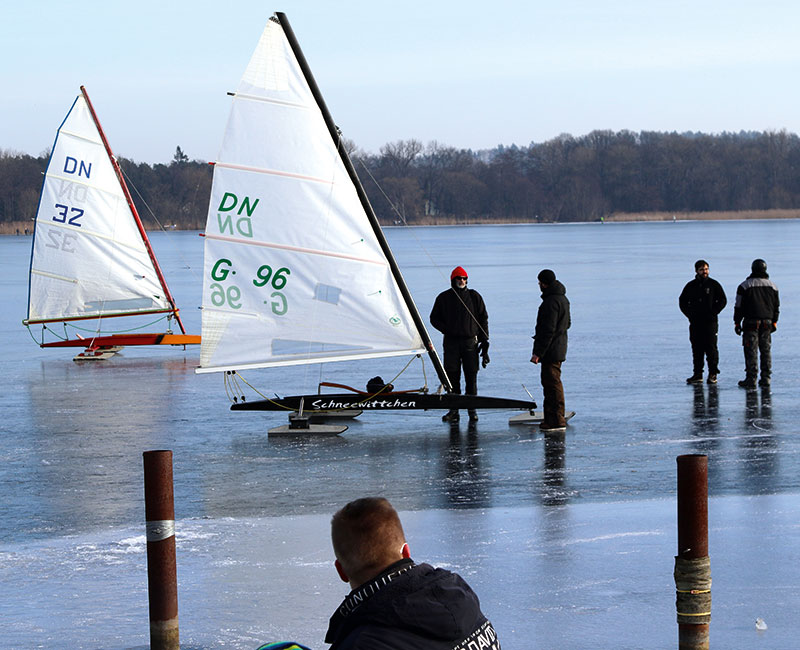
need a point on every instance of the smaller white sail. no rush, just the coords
(294, 272)
(89, 258)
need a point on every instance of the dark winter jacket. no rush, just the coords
(552, 323)
(756, 299)
(411, 607)
(460, 312)
(702, 299)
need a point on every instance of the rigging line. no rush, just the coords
(27, 327)
(326, 225)
(421, 246)
(130, 329)
(410, 361)
(155, 218)
(437, 267)
(258, 392)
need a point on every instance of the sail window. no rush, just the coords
(327, 293)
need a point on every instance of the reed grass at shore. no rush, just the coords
(26, 227)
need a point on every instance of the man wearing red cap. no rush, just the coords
(460, 314)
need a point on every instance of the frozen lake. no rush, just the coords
(564, 538)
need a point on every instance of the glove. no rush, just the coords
(483, 350)
(737, 328)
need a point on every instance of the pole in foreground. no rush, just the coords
(162, 582)
(692, 564)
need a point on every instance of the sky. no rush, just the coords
(463, 73)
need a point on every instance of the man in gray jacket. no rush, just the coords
(550, 347)
(755, 317)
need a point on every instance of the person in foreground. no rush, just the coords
(755, 317)
(460, 314)
(701, 301)
(550, 347)
(395, 603)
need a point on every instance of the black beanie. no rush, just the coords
(546, 277)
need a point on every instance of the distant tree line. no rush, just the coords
(586, 178)
(564, 179)
(165, 195)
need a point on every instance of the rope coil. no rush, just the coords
(693, 590)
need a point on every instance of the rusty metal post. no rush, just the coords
(162, 581)
(692, 565)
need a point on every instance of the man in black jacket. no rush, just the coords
(701, 301)
(460, 314)
(755, 317)
(395, 603)
(550, 347)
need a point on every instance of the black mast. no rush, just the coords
(373, 219)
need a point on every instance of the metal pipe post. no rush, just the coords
(692, 566)
(162, 582)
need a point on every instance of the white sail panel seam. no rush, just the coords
(93, 233)
(273, 172)
(92, 186)
(82, 137)
(297, 249)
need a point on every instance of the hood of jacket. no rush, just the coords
(555, 289)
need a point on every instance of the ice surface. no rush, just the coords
(568, 540)
(567, 576)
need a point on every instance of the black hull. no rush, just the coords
(388, 402)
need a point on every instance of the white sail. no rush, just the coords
(293, 271)
(89, 259)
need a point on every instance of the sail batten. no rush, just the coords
(277, 102)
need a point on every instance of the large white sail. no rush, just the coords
(89, 259)
(293, 271)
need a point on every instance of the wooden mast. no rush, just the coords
(362, 195)
(129, 199)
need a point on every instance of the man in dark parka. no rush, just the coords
(550, 347)
(701, 301)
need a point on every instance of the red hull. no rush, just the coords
(122, 340)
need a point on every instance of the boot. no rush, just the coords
(451, 416)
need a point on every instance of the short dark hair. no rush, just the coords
(367, 535)
(700, 264)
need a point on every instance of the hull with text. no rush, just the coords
(388, 402)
